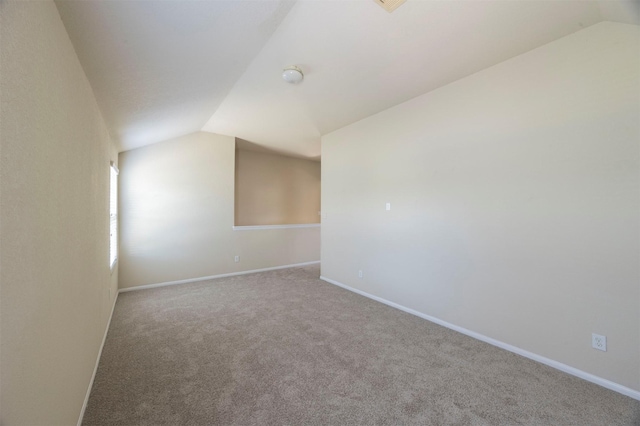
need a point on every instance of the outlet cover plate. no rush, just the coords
(599, 342)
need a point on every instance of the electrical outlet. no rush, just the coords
(388, 206)
(360, 273)
(236, 259)
(599, 342)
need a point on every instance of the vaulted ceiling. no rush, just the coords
(161, 69)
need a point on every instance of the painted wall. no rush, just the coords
(56, 288)
(273, 189)
(515, 198)
(176, 216)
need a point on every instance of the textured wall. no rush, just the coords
(56, 287)
(515, 201)
(176, 216)
(274, 189)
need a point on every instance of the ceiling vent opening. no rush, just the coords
(390, 5)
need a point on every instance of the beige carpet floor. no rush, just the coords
(284, 348)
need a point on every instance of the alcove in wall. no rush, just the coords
(274, 189)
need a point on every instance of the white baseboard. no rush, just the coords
(231, 274)
(547, 361)
(95, 369)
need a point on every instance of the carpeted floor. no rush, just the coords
(284, 348)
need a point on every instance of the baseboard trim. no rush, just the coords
(95, 369)
(547, 361)
(211, 277)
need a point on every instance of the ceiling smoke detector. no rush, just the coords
(390, 5)
(292, 74)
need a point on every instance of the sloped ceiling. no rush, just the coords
(162, 69)
(159, 69)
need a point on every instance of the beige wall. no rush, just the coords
(273, 189)
(176, 216)
(515, 201)
(56, 288)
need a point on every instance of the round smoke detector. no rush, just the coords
(292, 74)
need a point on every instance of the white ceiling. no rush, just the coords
(159, 69)
(162, 69)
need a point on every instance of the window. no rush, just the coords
(113, 215)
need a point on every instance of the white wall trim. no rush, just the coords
(211, 277)
(292, 226)
(547, 361)
(95, 368)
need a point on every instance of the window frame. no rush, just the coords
(113, 215)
